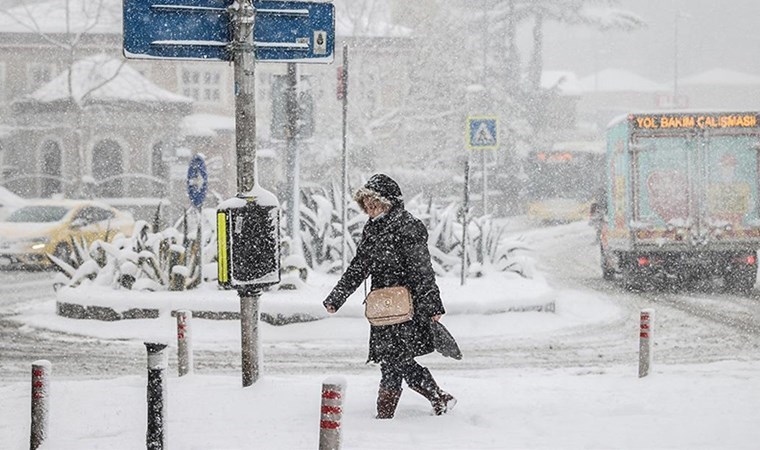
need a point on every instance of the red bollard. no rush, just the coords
(333, 390)
(184, 342)
(40, 402)
(645, 341)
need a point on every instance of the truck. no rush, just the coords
(680, 199)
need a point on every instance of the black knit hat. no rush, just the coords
(385, 187)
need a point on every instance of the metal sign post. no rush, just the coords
(245, 149)
(197, 187)
(343, 94)
(482, 134)
(465, 208)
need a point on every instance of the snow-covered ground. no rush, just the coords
(528, 380)
(679, 407)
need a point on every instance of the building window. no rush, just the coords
(39, 74)
(202, 85)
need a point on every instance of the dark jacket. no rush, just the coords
(393, 250)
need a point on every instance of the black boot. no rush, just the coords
(441, 401)
(386, 403)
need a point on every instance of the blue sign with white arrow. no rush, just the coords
(197, 180)
(284, 31)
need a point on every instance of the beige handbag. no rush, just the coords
(389, 306)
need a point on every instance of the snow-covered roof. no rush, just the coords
(618, 80)
(199, 125)
(102, 78)
(566, 82)
(718, 76)
(103, 16)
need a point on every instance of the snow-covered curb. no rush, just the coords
(477, 297)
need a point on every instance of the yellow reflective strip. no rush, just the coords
(221, 240)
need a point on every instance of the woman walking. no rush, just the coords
(393, 250)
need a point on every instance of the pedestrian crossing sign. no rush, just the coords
(482, 133)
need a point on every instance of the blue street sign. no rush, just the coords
(197, 180)
(284, 31)
(166, 29)
(482, 133)
(294, 31)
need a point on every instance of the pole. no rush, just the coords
(249, 326)
(199, 241)
(465, 207)
(245, 96)
(344, 178)
(184, 343)
(155, 437)
(331, 413)
(485, 183)
(291, 144)
(245, 145)
(40, 403)
(645, 341)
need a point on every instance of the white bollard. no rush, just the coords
(184, 342)
(41, 370)
(646, 329)
(333, 390)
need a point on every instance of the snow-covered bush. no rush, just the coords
(487, 250)
(166, 260)
(321, 228)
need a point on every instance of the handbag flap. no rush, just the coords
(388, 302)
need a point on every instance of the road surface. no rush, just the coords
(697, 325)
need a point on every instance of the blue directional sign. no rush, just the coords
(177, 29)
(294, 31)
(284, 31)
(482, 133)
(197, 180)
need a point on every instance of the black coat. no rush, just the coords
(393, 250)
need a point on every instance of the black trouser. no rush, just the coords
(393, 371)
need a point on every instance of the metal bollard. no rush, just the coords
(645, 341)
(184, 343)
(333, 390)
(155, 437)
(41, 370)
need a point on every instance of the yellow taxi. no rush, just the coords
(43, 227)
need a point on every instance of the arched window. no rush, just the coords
(107, 168)
(51, 169)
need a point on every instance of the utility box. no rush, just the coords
(248, 239)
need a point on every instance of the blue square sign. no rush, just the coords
(482, 133)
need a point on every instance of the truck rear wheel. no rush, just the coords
(608, 271)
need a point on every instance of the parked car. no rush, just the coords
(43, 227)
